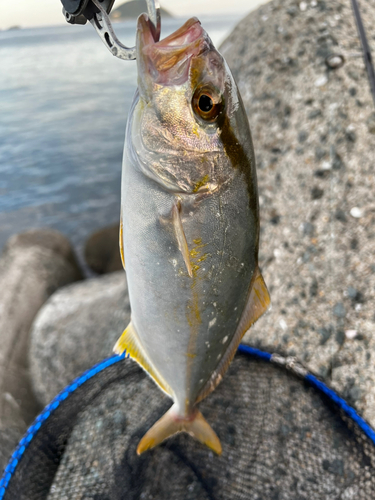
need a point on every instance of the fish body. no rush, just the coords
(190, 224)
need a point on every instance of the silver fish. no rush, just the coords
(190, 224)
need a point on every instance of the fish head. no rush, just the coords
(187, 97)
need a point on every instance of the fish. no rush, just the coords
(189, 231)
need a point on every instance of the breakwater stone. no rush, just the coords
(312, 126)
(76, 328)
(32, 266)
(102, 253)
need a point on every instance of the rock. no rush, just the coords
(340, 215)
(308, 228)
(32, 266)
(316, 193)
(351, 334)
(356, 212)
(102, 252)
(335, 61)
(328, 143)
(325, 333)
(355, 295)
(132, 9)
(314, 114)
(75, 329)
(339, 310)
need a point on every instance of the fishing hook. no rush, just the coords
(104, 28)
(96, 11)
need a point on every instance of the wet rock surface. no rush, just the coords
(75, 329)
(312, 121)
(32, 266)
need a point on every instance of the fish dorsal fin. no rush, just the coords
(256, 305)
(181, 238)
(121, 238)
(130, 342)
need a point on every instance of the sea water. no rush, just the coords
(64, 101)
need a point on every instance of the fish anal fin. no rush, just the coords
(129, 342)
(257, 304)
(181, 238)
(121, 240)
(169, 424)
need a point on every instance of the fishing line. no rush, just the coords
(365, 48)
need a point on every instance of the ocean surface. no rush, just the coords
(64, 101)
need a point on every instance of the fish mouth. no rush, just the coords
(167, 61)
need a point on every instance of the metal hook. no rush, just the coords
(97, 14)
(104, 28)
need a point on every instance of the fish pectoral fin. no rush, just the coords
(121, 241)
(170, 424)
(130, 342)
(181, 238)
(257, 304)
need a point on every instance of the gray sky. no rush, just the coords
(44, 12)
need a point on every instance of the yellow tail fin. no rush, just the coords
(169, 424)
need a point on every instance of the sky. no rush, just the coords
(27, 13)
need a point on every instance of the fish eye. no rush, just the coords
(207, 103)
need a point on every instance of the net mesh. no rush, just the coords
(282, 440)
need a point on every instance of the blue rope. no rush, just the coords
(341, 403)
(243, 349)
(252, 351)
